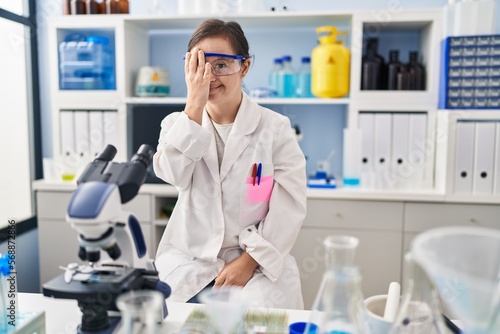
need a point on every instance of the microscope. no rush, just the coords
(95, 212)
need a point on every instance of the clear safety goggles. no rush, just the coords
(224, 64)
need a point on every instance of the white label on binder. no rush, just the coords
(400, 170)
(82, 142)
(484, 157)
(96, 133)
(110, 127)
(67, 131)
(464, 157)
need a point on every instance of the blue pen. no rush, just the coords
(259, 173)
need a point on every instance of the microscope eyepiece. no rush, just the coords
(144, 155)
(107, 154)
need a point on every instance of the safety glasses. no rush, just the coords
(224, 64)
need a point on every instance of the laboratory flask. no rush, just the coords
(339, 307)
(330, 64)
(419, 312)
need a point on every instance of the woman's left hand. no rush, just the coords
(237, 272)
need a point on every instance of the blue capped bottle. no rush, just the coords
(286, 78)
(274, 73)
(304, 78)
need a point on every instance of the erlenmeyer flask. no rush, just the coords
(419, 312)
(338, 308)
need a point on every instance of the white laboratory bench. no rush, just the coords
(62, 316)
(384, 221)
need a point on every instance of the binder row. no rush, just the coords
(394, 151)
(477, 158)
(85, 133)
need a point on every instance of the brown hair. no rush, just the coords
(218, 28)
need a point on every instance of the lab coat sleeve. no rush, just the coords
(276, 234)
(182, 142)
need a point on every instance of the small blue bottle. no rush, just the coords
(286, 78)
(304, 78)
(273, 74)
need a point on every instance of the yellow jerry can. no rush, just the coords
(330, 64)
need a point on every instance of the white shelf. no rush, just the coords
(160, 222)
(182, 100)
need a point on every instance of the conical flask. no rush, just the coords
(338, 308)
(419, 312)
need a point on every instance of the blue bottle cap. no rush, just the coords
(306, 59)
(287, 58)
(278, 60)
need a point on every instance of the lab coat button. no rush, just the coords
(249, 229)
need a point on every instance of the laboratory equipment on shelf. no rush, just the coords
(394, 67)
(419, 312)
(303, 88)
(273, 74)
(339, 306)
(286, 78)
(330, 63)
(152, 81)
(95, 212)
(416, 72)
(86, 62)
(374, 70)
(464, 265)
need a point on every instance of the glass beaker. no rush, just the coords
(339, 307)
(225, 306)
(419, 312)
(141, 311)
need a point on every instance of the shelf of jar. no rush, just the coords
(262, 101)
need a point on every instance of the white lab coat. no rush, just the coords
(220, 213)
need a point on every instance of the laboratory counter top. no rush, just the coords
(62, 316)
(414, 195)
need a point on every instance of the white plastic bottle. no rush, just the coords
(286, 78)
(304, 78)
(274, 73)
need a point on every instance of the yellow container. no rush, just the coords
(330, 64)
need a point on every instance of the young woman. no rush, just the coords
(241, 180)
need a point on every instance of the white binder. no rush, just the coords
(110, 127)
(400, 169)
(496, 172)
(464, 157)
(82, 142)
(96, 133)
(417, 149)
(382, 149)
(366, 125)
(484, 158)
(67, 131)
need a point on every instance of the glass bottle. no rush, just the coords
(416, 72)
(393, 68)
(373, 69)
(304, 78)
(286, 78)
(419, 312)
(339, 307)
(403, 81)
(123, 6)
(273, 74)
(112, 7)
(91, 6)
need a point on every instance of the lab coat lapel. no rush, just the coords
(210, 156)
(246, 122)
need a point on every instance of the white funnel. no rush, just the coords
(464, 264)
